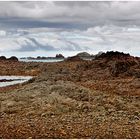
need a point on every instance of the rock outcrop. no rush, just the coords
(13, 58)
(113, 55)
(59, 56)
(74, 58)
(112, 64)
(2, 58)
(83, 54)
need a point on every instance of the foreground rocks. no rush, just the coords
(73, 99)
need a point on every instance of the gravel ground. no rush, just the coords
(59, 104)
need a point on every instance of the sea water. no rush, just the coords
(41, 60)
(15, 80)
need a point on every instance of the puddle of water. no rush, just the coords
(12, 80)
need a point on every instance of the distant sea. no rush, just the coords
(41, 60)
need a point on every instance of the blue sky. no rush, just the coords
(47, 28)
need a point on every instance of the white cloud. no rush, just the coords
(70, 26)
(94, 13)
(2, 33)
(95, 39)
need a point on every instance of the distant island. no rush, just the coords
(58, 56)
(81, 55)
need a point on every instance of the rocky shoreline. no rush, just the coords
(75, 98)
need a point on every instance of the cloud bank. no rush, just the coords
(69, 26)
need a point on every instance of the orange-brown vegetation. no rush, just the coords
(73, 99)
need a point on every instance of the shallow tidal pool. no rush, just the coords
(12, 80)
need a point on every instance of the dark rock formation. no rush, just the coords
(13, 58)
(112, 54)
(2, 58)
(110, 65)
(59, 56)
(41, 58)
(5, 80)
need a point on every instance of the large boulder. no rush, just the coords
(41, 57)
(83, 54)
(59, 56)
(2, 58)
(13, 58)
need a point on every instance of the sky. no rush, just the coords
(45, 28)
